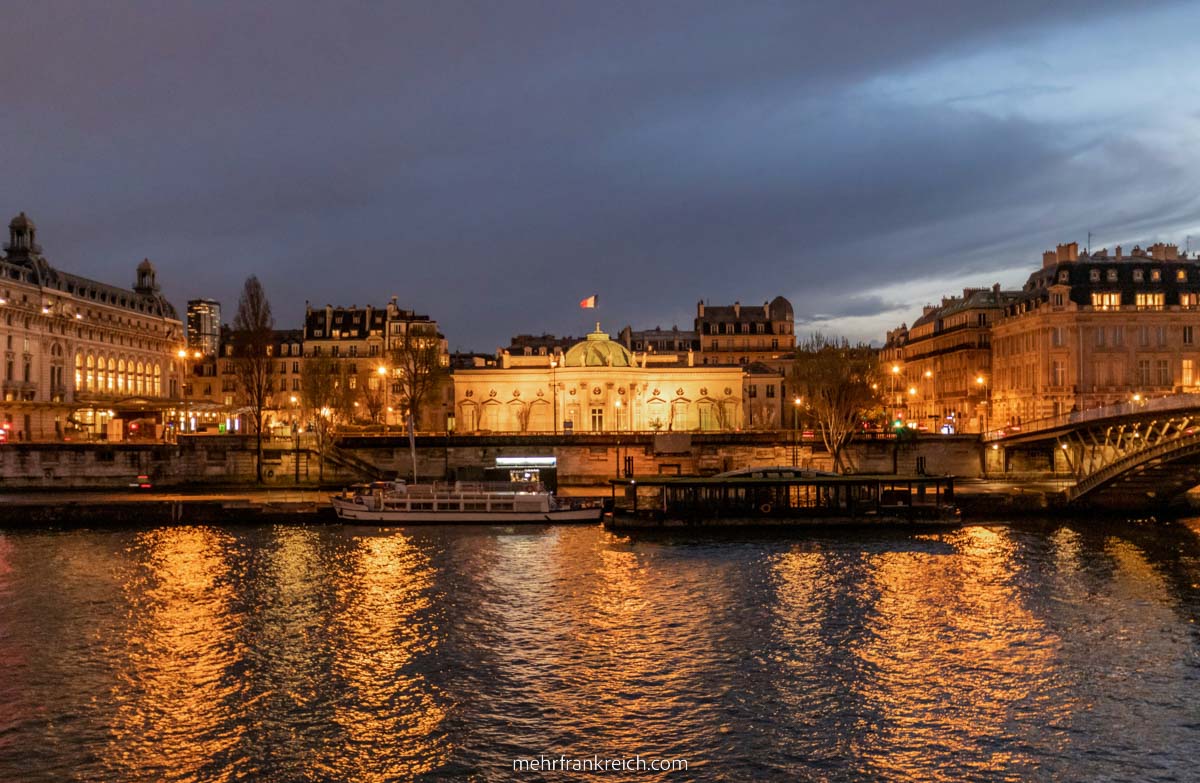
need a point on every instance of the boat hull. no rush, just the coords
(352, 512)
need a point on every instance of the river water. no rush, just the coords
(1049, 651)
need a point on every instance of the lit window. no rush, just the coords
(1155, 275)
(1181, 275)
(1106, 300)
(1149, 301)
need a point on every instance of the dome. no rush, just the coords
(145, 266)
(21, 222)
(598, 350)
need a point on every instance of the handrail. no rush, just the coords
(1171, 402)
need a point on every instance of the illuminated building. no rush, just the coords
(597, 385)
(740, 335)
(204, 326)
(1094, 329)
(79, 354)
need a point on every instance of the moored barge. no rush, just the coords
(750, 500)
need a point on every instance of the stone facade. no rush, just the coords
(938, 372)
(83, 359)
(362, 340)
(1086, 330)
(598, 385)
(1093, 330)
(741, 335)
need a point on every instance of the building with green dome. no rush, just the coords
(597, 385)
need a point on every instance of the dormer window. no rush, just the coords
(1138, 275)
(1064, 276)
(1112, 275)
(1155, 275)
(1181, 275)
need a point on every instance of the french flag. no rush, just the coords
(589, 303)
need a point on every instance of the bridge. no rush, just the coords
(1134, 455)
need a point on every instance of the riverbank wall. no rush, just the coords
(582, 460)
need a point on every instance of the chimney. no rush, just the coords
(737, 309)
(1162, 252)
(1137, 252)
(1068, 252)
(700, 309)
(928, 309)
(1117, 253)
(1049, 259)
(996, 288)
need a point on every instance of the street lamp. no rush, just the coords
(554, 391)
(617, 405)
(795, 429)
(980, 380)
(384, 380)
(892, 389)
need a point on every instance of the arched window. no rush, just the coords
(78, 371)
(101, 374)
(89, 380)
(121, 376)
(112, 371)
(158, 380)
(139, 379)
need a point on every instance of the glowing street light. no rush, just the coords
(382, 371)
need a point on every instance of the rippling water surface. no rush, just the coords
(1039, 651)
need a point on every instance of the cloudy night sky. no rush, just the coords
(493, 163)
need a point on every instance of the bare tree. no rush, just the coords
(373, 399)
(837, 387)
(323, 393)
(252, 337)
(419, 369)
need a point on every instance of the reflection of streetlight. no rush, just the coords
(386, 407)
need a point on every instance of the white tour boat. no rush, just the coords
(397, 502)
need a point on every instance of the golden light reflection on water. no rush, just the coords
(944, 668)
(389, 714)
(173, 692)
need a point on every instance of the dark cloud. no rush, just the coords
(492, 164)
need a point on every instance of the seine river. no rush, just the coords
(1047, 651)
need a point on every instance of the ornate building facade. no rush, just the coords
(82, 358)
(597, 385)
(939, 371)
(1086, 330)
(1093, 329)
(365, 340)
(741, 335)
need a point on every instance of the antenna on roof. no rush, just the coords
(1089, 244)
